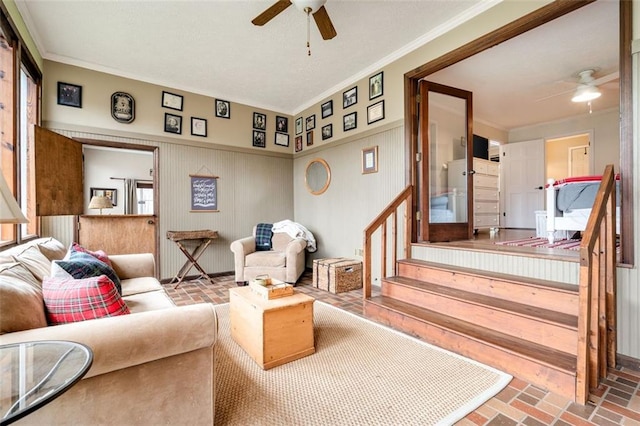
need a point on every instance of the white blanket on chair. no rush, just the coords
(295, 230)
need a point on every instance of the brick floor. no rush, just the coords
(615, 402)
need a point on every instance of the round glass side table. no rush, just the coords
(33, 374)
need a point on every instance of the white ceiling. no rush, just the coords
(210, 47)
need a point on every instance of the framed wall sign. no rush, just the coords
(123, 107)
(375, 112)
(198, 126)
(204, 193)
(370, 160)
(282, 139)
(172, 101)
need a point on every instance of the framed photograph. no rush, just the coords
(375, 112)
(310, 123)
(223, 109)
(327, 109)
(282, 139)
(69, 95)
(350, 121)
(282, 124)
(259, 139)
(123, 107)
(298, 125)
(172, 101)
(299, 143)
(375, 85)
(110, 193)
(310, 138)
(370, 160)
(259, 121)
(172, 123)
(350, 97)
(198, 126)
(327, 132)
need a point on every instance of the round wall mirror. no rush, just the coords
(317, 176)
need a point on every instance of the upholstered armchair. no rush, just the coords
(284, 262)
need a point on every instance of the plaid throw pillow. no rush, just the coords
(68, 300)
(100, 254)
(263, 236)
(83, 265)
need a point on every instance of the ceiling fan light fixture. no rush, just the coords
(586, 93)
(314, 5)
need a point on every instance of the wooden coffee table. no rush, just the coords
(273, 332)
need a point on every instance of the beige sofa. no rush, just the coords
(153, 366)
(284, 262)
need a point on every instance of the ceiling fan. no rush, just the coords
(310, 7)
(587, 86)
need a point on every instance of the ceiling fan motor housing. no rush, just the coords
(314, 5)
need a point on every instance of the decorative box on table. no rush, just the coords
(337, 275)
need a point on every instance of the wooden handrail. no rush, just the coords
(405, 197)
(597, 297)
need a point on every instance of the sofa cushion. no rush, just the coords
(139, 285)
(71, 300)
(51, 248)
(280, 241)
(266, 259)
(35, 261)
(100, 254)
(149, 301)
(21, 304)
(83, 265)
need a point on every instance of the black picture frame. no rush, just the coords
(110, 193)
(259, 121)
(172, 123)
(223, 109)
(123, 107)
(259, 139)
(310, 123)
(282, 139)
(199, 127)
(327, 132)
(350, 97)
(282, 124)
(350, 121)
(172, 101)
(327, 109)
(376, 85)
(298, 143)
(298, 125)
(375, 112)
(310, 138)
(69, 95)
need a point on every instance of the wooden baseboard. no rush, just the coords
(627, 362)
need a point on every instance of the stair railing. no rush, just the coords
(388, 243)
(597, 297)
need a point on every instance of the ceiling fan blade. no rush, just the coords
(324, 24)
(555, 94)
(271, 12)
(606, 78)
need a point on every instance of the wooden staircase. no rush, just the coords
(525, 327)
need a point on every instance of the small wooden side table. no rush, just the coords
(203, 238)
(273, 332)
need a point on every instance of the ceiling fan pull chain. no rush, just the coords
(308, 10)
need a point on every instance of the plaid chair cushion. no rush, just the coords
(83, 265)
(263, 236)
(67, 300)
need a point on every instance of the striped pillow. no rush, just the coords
(67, 300)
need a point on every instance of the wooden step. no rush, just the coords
(545, 367)
(560, 297)
(556, 330)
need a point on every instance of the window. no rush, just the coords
(20, 83)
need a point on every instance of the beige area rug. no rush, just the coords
(361, 374)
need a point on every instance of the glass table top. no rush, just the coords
(33, 374)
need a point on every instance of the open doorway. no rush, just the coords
(568, 156)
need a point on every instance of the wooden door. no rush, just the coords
(58, 174)
(118, 234)
(445, 138)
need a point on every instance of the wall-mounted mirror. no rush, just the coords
(317, 176)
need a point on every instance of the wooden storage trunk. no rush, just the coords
(273, 332)
(337, 275)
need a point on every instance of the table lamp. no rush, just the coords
(100, 202)
(9, 209)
